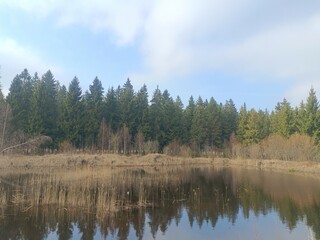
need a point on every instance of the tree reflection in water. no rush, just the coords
(114, 202)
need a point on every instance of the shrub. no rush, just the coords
(66, 146)
(297, 147)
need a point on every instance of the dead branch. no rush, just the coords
(35, 142)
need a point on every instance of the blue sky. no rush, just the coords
(257, 52)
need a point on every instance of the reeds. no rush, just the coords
(88, 189)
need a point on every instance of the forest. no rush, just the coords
(122, 120)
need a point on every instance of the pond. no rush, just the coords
(158, 203)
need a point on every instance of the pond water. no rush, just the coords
(158, 203)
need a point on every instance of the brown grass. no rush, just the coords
(48, 162)
(79, 160)
(93, 190)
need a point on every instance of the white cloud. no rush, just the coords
(124, 18)
(300, 92)
(268, 41)
(276, 40)
(16, 57)
(288, 51)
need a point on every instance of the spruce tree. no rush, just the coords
(282, 119)
(178, 123)
(156, 118)
(230, 118)
(44, 113)
(311, 120)
(36, 119)
(112, 112)
(251, 134)
(93, 112)
(62, 112)
(242, 123)
(299, 118)
(198, 128)
(19, 98)
(74, 113)
(188, 116)
(140, 107)
(213, 116)
(263, 124)
(126, 104)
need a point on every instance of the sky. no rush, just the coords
(253, 52)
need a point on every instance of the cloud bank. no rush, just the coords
(259, 40)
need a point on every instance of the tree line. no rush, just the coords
(123, 120)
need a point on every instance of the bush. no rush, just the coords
(151, 147)
(176, 149)
(297, 147)
(66, 146)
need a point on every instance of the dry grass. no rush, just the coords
(76, 160)
(93, 190)
(49, 162)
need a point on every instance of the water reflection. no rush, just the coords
(141, 203)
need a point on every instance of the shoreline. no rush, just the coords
(74, 160)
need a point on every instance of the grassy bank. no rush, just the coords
(70, 161)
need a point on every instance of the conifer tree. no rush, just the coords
(93, 104)
(19, 98)
(300, 118)
(112, 112)
(178, 120)
(251, 134)
(282, 121)
(156, 118)
(263, 124)
(50, 103)
(198, 128)
(4, 120)
(311, 120)
(62, 113)
(36, 119)
(140, 107)
(126, 104)
(242, 124)
(230, 118)
(213, 114)
(188, 116)
(74, 113)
